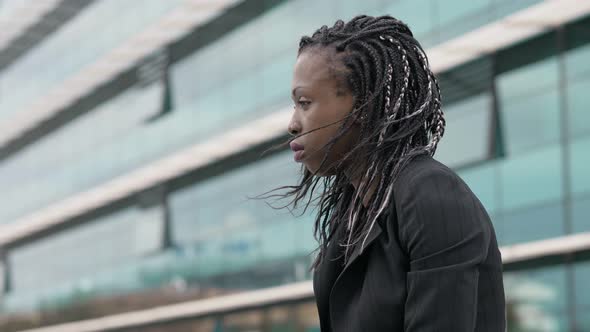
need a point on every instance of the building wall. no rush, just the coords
(518, 132)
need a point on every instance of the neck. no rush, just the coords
(372, 187)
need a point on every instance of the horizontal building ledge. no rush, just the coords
(290, 293)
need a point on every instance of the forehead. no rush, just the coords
(311, 68)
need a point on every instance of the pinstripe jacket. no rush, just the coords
(431, 263)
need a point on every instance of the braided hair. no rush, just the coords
(398, 103)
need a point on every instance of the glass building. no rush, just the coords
(131, 149)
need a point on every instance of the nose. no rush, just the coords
(293, 128)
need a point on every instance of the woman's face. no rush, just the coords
(319, 100)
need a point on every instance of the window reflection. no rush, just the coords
(536, 300)
(531, 178)
(235, 235)
(577, 94)
(581, 271)
(77, 156)
(417, 14)
(536, 223)
(577, 65)
(531, 122)
(581, 214)
(529, 78)
(580, 159)
(58, 267)
(38, 72)
(463, 119)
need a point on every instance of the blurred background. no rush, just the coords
(132, 132)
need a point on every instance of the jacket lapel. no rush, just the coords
(357, 252)
(373, 234)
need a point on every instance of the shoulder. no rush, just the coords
(424, 169)
(436, 209)
(422, 179)
(429, 184)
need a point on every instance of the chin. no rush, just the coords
(312, 169)
(322, 173)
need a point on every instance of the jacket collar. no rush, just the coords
(356, 253)
(373, 234)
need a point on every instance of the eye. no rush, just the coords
(302, 103)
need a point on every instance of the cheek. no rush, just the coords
(347, 141)
(320, 138)
(343, 145)
(317, 147)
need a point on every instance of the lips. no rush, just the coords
(298, 149)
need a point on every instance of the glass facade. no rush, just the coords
(539, 298)
(55, 59)
(92, 149)
(229, 230)
(238, 78)
(518, 133)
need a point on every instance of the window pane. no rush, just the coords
(527, 79)
(239, 248)
(347, 9)
(576, 62)
(53, 60)
(578, 105)
(583, 318)
(277, 239)
(454, 18)
(311, 15)
(498, 223)
(581, 215)
(283, 38)
(417, 14)
(580, 159)
(211, 67)
(245, 240)
(78, 156)
(467, 118)
(275, 80)
(581, 276)
(531, 178)
(540, 222)
(449, 11)
(190, 75)
(530, 121)
(207, 208)
(63, 258)
(242, 98)
(542, 290)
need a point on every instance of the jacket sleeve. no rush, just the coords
(443, 229)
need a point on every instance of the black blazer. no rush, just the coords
(431, 263)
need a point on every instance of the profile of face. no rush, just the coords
(320, 99)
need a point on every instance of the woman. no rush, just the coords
(405, 245)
